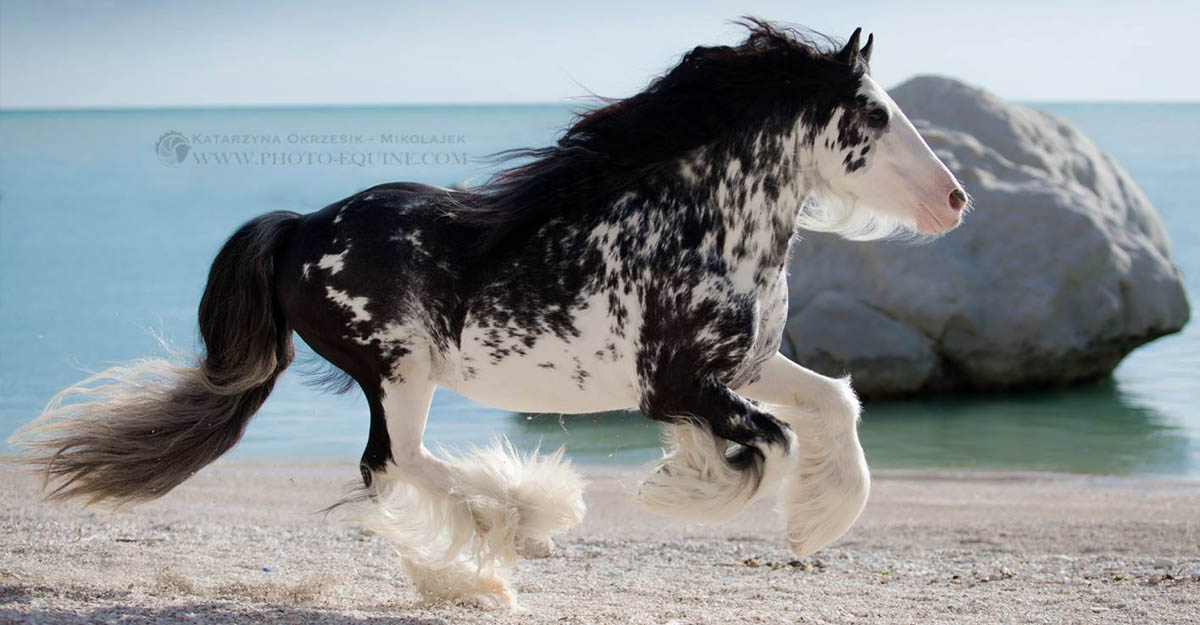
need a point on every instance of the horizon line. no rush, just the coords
(434, 104)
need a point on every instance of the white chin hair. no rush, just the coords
(851, 220)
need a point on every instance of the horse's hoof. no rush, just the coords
(461, 583)
(536, 548)
(493, 594)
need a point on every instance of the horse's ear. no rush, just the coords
(866, 51)
(850, 52)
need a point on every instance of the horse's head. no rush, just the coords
(871, 159)
(779, 113)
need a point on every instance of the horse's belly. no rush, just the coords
(521, 385)
(592, 371)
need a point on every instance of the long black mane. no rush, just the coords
(716, 95)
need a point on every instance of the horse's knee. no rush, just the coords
(834, 404)
(844, 408)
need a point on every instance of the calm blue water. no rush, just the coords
(103, 245)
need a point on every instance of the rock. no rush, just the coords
(901, 357)
(1062, 268)
(1163, 563)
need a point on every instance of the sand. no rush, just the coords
(242, 543)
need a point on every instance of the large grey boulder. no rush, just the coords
(1062, 268)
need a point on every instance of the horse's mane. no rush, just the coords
(712, 94)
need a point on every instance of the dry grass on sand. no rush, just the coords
(242, 544)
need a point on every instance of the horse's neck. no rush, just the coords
(753, 202)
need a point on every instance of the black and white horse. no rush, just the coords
(638, 263)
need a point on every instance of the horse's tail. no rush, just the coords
(134, 432)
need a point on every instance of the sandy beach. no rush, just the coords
(244, 543)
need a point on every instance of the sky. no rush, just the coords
(104, 53)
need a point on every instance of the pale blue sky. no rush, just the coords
(82, 53)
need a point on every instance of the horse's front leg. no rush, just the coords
(827, 490)
(704, 477)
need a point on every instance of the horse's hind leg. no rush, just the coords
(828, 488)
(460, 522)
(415, 508)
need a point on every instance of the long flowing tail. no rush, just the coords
(134, 432)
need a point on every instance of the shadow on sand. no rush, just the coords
(197, 611)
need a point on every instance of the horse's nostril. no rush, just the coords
(958, 199)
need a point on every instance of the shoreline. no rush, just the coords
(333, 467)
(244, 542)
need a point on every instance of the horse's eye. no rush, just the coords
(877, 118)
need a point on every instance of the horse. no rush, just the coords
(638, 263)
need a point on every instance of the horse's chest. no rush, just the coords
(770, 317)
(712, 325)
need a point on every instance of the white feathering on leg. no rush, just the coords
(460, 547)
(695, 482)
(828, 488)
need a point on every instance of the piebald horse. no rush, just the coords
(638, 263)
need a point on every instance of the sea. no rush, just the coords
(109, 220)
